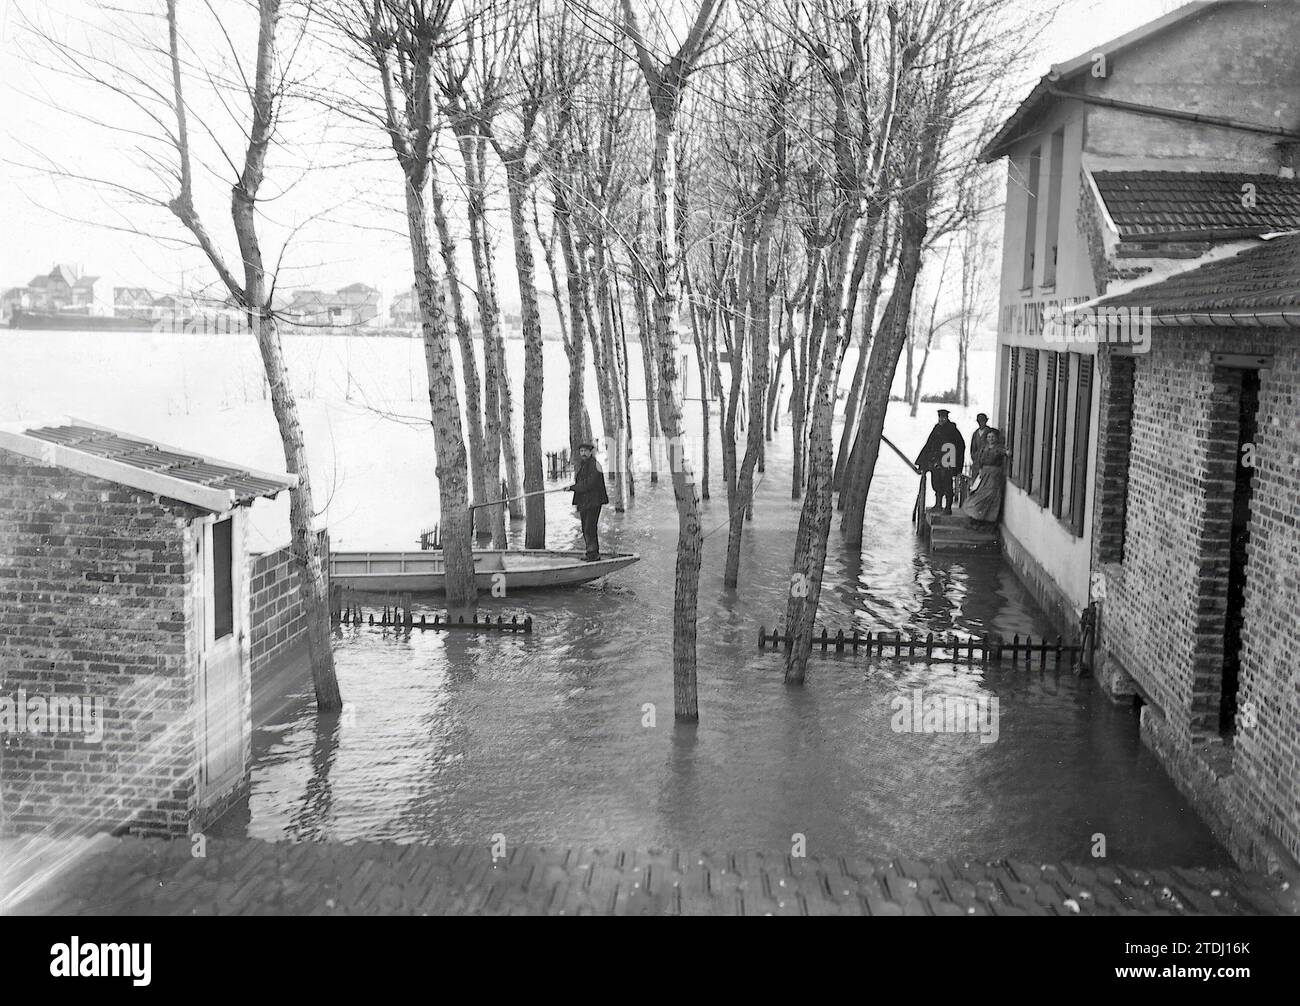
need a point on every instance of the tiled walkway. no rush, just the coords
(107, 876)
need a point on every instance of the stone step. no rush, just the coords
(956, 533)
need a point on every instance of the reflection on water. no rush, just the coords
(454, 737)
(450, 737)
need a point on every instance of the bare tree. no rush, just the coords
(471, 78)
(665, 80)
(399, 40)
(157, 116)
(858, 137)
(961, 40)
(514, 146)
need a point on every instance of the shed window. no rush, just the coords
(223, 582)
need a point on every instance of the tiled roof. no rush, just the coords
(1263, 281)
(145, 464)
(1150, 205)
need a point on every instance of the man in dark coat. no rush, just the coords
(589, 496)
(978, 440)
(943, 456)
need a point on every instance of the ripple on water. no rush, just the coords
(452, 737)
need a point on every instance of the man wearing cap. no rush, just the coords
(943, 456)
(978, 441)
(589, 496)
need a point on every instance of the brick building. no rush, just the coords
(1166, 155)
(125, 598)
(1197, 539)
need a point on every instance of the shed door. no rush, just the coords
(222, 718)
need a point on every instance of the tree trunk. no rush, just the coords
(815, 519)
(490, 326)
(646, 334)
(701, 352)
(305, 546)
(449, 444)
(907, 380)
(579, 422)
(799, 364)
(469, 367)
(774, 384)
(690, 541)
(885, 351)
(920, 372)
(609, 377)
(866, 327)
(534, 477)
(620, 334)
(759, 307)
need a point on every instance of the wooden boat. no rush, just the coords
(423, 571)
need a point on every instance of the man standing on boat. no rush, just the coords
(589, 496)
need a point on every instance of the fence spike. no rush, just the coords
(929, 646)
(823, 639)
(839, 641)
(762, 636)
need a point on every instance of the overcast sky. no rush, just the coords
(349, 230)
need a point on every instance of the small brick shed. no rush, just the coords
(1197, 539)
(124, 580)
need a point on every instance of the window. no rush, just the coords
(1082, 430)
(1008, 420)
(1046, 417)
(1024, 453)
(1056, 168)
(223, 585)
(1031, 217)
(1061, 469)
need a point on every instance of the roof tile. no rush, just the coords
(150, 457)
(1162, 205)
(1264, 278)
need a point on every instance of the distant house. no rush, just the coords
(132, 302)
(63, 288)
(17, 298)
(168, 307)
(404, 312)
(352, 306)
(356, 304)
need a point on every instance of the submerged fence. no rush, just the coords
(397, 614)
(947, 648)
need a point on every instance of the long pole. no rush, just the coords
(507, 499)
(906, 461)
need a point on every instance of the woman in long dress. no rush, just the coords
(984, 504)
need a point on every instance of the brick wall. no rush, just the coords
(1268, 755)
(96, 602)
(277, 620)
(1164, 610)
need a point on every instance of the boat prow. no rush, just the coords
(425, 572)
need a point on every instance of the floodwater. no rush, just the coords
(567, 736)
